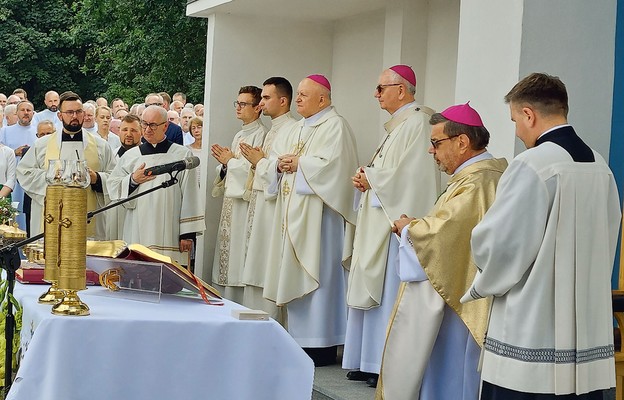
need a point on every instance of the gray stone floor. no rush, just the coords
(331, 383)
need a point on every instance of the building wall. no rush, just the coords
(245, 50)
(575, 40)
(490, 34)
(354, 77)
(441, 60)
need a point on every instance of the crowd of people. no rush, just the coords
(495, 287)
(69, 129)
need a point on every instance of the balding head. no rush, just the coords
(13, 99)
(52, 100)
(154, 124)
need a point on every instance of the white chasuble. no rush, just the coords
(158, 219)
(301, 257)
(229, 255)
(401, 160)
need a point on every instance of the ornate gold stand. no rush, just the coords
(53, 295)
(71, 305)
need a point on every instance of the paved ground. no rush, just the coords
(331, 383)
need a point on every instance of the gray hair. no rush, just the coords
(396, 78)
(10, 109)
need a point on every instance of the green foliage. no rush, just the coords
(110, 48)
(7, 211)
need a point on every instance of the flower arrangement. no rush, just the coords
(7, 211)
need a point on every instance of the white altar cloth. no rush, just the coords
(180, 348)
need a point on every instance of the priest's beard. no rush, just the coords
(72, 127)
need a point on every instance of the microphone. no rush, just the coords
(187, 163)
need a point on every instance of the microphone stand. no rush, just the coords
(10, 261)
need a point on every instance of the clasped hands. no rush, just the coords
(221, 154)
(287, 163)
(252, 154)
(360, 182)
(401, 223)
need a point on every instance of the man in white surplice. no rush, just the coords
(400, 157)
(130, 133)
(72, 143)
(168, 219)
(314, 202)
(276, 99)
(545, 253)
(233, 183)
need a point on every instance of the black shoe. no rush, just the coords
(322, 356)
(357, 375)
(372, 381)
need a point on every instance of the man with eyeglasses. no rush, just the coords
(433, 342)
(20, 137)
(277, 93)
(167, 220)
(70, 144)
(381, 197)
(174, 132)
(233, 183)
(314, 203)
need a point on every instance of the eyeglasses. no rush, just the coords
(436, 143)
(152, 125)
(380, 88)
(154, 104)
(72, 113)
(242, 104)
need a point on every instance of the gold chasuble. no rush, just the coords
(53, 152)
(442, 239)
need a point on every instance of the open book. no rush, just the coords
(175, 277)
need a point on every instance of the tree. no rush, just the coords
(110, 48)
(143, 47)
(38, 52)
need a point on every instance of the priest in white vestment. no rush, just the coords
(314, 203)
(232, 183)
(71, 144)
(545, 253)
(166, 220)
(433, 341)
(277, 95)
(400, 157)
(130, 135)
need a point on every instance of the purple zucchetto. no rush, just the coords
(406, 73)
(463, 114)
(321, 80)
